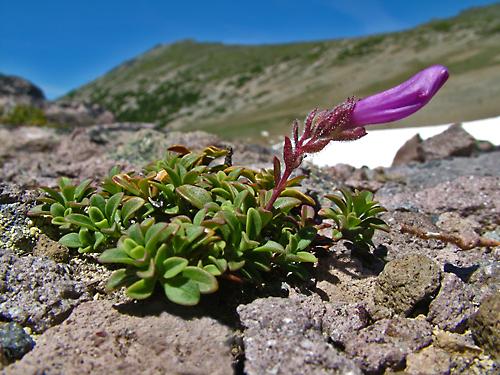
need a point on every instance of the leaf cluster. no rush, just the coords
(186, 221)
(355, 217)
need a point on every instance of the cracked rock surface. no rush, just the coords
(410, 304)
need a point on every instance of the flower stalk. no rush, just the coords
(346, 121)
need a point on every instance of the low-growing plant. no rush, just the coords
(191, 218)
(355, 217)
(24, 115)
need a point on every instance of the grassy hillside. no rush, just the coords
(238, 91)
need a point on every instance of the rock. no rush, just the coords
(486, 280)
(454, 141)
(18, 91)
(459, 195)
(415, 177)
(411, 151)
(17, 232)
(283, 336)
(428, 361)
(407, 282)
(455, 343)
(453, 305)
(77, 113)
(485, 325)
(340, 320)
(14, 341)
(99, 339)
(387, 343)
(36, 292)
(51, 249)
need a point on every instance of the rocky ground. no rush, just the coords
(420, 304)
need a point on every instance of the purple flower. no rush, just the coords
(346, 121)
(400, 101)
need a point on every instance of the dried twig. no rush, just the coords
(462, 242)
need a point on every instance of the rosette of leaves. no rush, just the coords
(355, 217)
(160, 253)
(63, 201)
(92, 219)
(189, 219)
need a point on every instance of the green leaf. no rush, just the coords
(339, 202)
(254, 223)
(182, 290)
(97, 200)
(222, 193)
(135, 233)
(80, 220)
(141, 289)
(130, 207)
(235, 265)
(149, 272)
(116, 255)
(54, 195)
(195, 195)
(174, 176)
(82, 189)
(112, 205)
(59, 220)
(86, 237)
(124, 181)
(294, 193)
(173, 266)
(138, 253)
(157, 233)
(96, 215)
(212, 269)
(99, 239)
(305, 256)
(200, 216)
(286, 203)
(221, 263)
(336, 234)
(270, 247)
(68, 192)
(57, 209)
(71, 240)
(120, 278)
(205, 280)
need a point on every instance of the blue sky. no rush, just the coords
(61, 44)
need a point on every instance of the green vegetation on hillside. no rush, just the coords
(239, 91)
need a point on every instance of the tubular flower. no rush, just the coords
(400, 101)
(346, 121)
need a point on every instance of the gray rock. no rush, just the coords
(419, 176)
(460, 195)
(486, 280)
(36, 292)
(411, 151)
(16, 90)
(77, 113)
(430, 360)
(454, 141)
(16, 231)
(485, 325)
(406, 282)
(46, 247)
(453, 305)
(99, 339)
(387, 343)
(283, 336)
(340, 320)
(14, 341)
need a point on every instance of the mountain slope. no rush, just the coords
(238, 91)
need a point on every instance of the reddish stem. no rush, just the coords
(278, 189)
